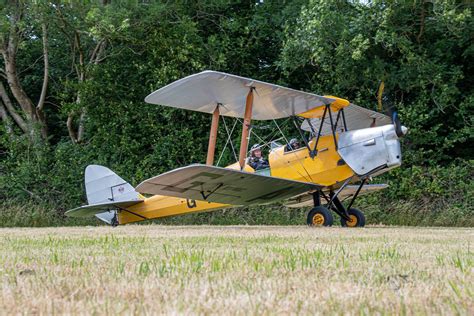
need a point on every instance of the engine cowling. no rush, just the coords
(369, 150)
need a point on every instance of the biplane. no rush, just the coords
(342, 147)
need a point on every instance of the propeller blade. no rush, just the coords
(399, 129)
(390, 110)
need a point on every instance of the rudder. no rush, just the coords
(103, 185)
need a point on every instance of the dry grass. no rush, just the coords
(236, 270)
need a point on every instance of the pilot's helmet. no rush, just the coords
(254, 148)
(294, 143)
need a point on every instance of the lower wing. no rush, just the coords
(221, 185)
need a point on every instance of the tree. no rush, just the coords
(421, 50)
(16, 28)
(88, 28)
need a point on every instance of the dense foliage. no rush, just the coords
(74, 76)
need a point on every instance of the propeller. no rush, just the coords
(385, 103)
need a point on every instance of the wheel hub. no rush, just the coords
(318, 219)
(352, 222)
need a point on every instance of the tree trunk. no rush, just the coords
(16, 88)
(44, 88)
(70, 128)
(422, 22)
(80, 129)
(5, 119)
(33, 115)
(11, 110)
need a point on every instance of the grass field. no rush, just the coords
(236, 270)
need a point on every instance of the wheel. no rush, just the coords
(357, 219)
(320, 216)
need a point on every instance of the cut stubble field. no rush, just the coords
(236, 270)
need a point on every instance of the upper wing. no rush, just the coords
(307, 199)
(93, 209)
(221, 185)
(356, 117)
(203, 91)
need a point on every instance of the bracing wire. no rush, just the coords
(229, 139)
(264, 141)
(286, 140)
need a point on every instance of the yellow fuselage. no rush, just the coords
(326, 169)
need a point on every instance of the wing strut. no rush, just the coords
(213, 137)
(244, 142)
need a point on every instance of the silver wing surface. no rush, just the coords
(307, 199)
(221, 185)
(203, 91)
(93, 209)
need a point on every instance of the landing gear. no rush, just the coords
(356, 219)
(320, 216)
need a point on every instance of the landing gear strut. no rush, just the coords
(114, 222)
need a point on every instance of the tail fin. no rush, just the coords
(105, 191)
(103, 185)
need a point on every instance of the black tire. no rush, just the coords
(358, 219)
(320, 216)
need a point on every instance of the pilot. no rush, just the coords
(256, 161)
(294, 144)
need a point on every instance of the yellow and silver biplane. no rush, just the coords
(344, 145)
